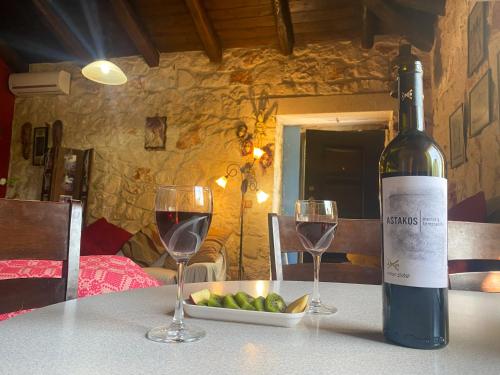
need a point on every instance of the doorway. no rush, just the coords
(343, 166)
(291, 129)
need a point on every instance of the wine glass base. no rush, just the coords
(174, 334)
(321, 309)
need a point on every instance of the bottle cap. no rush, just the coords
(406, 62)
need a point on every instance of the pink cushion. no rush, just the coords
(103, 238)
(470, 209)
(98, 275)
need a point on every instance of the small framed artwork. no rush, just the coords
(498, 80)
(155, 133)
(457, 138)
(476, 37)
(40, 139)
(480, 105)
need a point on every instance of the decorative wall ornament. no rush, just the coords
(476, 37)
(253, 142)
(480, 104)
(498, 81)
(57, 133)
(26, 130)
(457, 137)
(155, 133)
(40, 141)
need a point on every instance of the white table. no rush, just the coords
(106, 335)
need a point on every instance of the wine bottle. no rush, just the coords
(414, 222)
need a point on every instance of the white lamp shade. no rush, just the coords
(262, 196)
(257, 153)
(222, 182)
(104, 72)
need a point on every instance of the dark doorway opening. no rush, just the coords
(343, 166)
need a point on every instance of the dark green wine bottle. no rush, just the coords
(413, 200)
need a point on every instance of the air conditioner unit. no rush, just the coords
(46, 83)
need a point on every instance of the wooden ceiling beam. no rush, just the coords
(408, 24)
(436, 7)
(61, 30)
(205, 30)
(12, 58)
(368, 29)
(284, 26)
(136, 32)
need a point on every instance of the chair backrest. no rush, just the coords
(353, 236)
(473, 253)
(40, 230)
(474, 256)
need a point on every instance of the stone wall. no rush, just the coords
(203, 103)
(450, 88)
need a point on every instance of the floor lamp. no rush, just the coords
(248, 182)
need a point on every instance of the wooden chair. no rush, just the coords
(353, 236)
(40, 230)
(474, 256)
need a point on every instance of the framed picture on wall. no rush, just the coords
(498, 80)
(155, 133)
(480, 105)
(457, 138)
(40, 139)
(476, 37)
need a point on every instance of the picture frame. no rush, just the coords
(40, 142)
(480, 104)
(476, 37)
(457, 137)
(498, 82)
(155, 133)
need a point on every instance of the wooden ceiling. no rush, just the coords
(34, 31)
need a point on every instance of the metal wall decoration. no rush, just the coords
(40, 141)
(498, 81)
(476, 37)
(26, 130)
(480, 114)
(155, 133)
(457, 137)
(249, 141)
(57, 133)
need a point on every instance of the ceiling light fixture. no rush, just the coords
(105, 72)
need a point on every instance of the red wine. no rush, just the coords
(414, 222)
(182, 233)
(315, 236)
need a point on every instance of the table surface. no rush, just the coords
(105, 334)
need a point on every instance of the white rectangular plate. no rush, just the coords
(243, 316)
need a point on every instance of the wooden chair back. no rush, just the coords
(474, 256)
(40, 230)
(353, 236)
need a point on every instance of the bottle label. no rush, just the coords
(415, 227)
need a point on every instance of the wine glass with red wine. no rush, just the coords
(183, 216)
(315, 223)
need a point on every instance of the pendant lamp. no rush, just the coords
(105, 72)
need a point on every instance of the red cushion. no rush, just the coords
(103, 238)
(470, 209)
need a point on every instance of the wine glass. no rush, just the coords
(315, 223)
(183, 216)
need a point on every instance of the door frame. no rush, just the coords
(336, 112)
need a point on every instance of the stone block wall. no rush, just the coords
(203, 103)
(451, 87)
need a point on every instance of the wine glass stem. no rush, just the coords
(317, 262)
(179, 310)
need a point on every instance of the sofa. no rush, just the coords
(146, 250)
